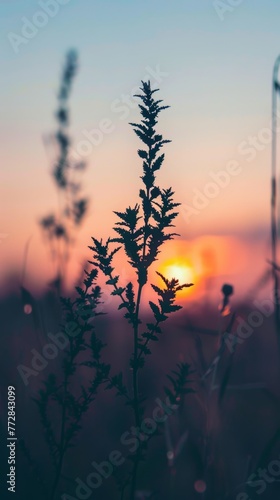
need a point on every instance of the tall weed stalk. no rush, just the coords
(59, 227)
(141, 231)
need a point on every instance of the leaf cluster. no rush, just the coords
(161, 311)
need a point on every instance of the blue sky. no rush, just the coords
(223, 66)
(218, 84)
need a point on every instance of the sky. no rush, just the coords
(212, 62)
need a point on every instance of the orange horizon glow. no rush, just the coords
(206, 261)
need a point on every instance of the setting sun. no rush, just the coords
(180, 269)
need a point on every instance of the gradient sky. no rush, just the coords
(218, 83)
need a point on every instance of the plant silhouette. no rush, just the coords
(59, 228)
(141, 232)
(61, 405)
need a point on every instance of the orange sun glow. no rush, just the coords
(180, 269)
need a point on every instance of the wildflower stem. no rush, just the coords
(61, 444)
(135, 366)
(136, 358)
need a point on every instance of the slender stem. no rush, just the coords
(136, 359)
(134, 474)
(62, 442)
(61, 445)
(135, 367)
